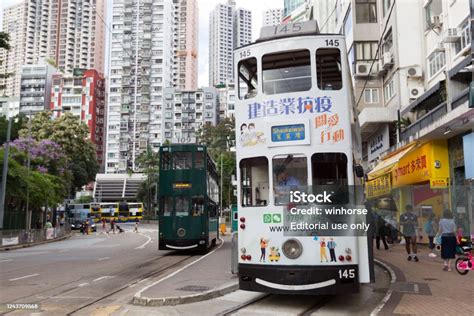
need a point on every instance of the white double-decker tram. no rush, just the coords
(296, 129)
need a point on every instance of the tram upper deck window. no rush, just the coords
(330, 174)
(329, 69)
(254, 181)
(288, 71)
(182, 160)
(166, 160)
(248, 78)
(290, 173)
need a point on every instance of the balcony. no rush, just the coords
(371, 117)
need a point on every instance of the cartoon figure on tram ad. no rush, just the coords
(263, 248)
(332, 249)
(274, 254)
(249, 136)
(322, 250)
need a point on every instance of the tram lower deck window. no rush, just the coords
(181, 205)
(330, 174)
(254, 181)
(329, 69)
(290, 172)
(288, 71)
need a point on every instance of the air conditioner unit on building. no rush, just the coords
(451, 35)
(414, 72)
(380, 70)
(362, 68)
(387, 60)
(436, 21)
(415, 92)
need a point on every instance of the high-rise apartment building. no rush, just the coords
(229, 28)
(291, 5)
(13, 59)
(186, 44)
(272, 17)
(69, 33)
(141, 65)
(83, 95)
(35, 87)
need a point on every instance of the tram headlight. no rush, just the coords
(292, 248)
(181, 232)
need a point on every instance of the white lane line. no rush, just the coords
(139, 293)
(102, 278)
(146, 243)
(83, 284)
(6, 260)
(105, 258)
(24, 277)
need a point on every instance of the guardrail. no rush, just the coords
(17, 237)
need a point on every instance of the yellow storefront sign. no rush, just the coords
(428, 162)
(379, 186)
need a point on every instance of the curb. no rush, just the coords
(177, 300)
(388, 295)
(34, 244)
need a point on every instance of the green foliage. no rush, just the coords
(148, 162)
(219, 139)
(18, 122)
(73, 137)
(84, 199)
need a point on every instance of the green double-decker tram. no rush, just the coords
(188, 195)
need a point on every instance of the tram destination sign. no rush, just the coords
(285, 133)
(182, 185)
(286, 30)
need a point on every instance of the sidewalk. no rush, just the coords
(205, 279)
(423, 288)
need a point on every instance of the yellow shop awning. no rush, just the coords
(389, 163)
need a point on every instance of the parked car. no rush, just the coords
(79, 225)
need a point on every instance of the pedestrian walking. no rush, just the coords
(409, 221)
(112, 225)
(86, 227)
(447, 230)
(103, 223)
(381, 232)
(48, 224)
(429, 229)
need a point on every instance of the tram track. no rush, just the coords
(268, 298)
(32, 299)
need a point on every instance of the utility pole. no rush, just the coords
(28, 217)
(222, 179)
(5, 173)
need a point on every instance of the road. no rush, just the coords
(70, 275)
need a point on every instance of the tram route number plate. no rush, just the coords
(347, 275)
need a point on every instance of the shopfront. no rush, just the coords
(417, 174)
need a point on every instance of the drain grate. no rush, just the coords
(411, 288)
(194, 288)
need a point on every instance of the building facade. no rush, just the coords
(35, 87)
(141, 65)
(83, 95)
(227, 95)
(185, 112)
(186, 44)
(69, 33)
(272, 17)
(10, 106)
(229, 28)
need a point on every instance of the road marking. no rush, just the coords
(139, 293)
(143, 246)
(64, 250)
(105, 258)
(83, 284)
(24, 277)
(6, 260)
(102, 278)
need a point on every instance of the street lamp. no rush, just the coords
(5, 172)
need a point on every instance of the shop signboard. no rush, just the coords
(379, 186)
(378, 143)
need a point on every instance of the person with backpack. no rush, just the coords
(429, 229)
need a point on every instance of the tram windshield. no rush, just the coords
(254, 181)
(182, 160)
(288, 71)
(289, 173)
(330, 174)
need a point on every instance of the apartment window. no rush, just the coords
(432, 8)
(366, 11)
(436, 62)
(465, 39)
(388, 41)
(371, 95)
(386, 6)
(365, 50)
(389, 90)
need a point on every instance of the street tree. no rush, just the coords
(18, 122)
(148, 163)
(72, 136)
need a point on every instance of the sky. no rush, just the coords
(205, 7)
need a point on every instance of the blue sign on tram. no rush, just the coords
(286, 133)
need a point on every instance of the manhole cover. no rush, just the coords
(430, 279)
(194, 288)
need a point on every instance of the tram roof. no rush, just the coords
(282, 31)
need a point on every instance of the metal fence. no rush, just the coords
(15, 237)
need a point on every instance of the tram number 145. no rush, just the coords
(346, 273)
